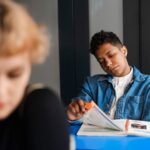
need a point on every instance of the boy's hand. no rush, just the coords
(76, 110)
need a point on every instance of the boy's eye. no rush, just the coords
(111, 54)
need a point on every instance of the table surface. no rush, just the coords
(109, 142)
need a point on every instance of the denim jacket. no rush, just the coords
(135, 102)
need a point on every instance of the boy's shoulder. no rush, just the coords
(99, 77)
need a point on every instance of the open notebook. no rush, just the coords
(97, 123)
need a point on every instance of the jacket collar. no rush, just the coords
(137, 75)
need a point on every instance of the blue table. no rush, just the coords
(109, 143)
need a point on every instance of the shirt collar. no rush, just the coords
(123, 81)
(137, 75)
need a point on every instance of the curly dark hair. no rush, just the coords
(103, 37)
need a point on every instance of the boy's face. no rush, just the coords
(113, 59)
(14, 75)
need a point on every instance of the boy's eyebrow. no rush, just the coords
(110, 51)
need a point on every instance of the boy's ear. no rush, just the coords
(124, 50)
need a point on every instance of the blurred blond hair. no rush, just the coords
(19, 33)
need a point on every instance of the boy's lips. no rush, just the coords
(112, 70)
(115, 68)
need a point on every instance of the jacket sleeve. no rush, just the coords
(86, 89)
(146, 107)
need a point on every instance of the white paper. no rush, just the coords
(96, 116)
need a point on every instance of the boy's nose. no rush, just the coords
(108, 62)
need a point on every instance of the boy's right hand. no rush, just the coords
(76, 109)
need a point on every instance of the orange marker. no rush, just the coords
(89, 105)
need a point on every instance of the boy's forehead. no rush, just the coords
(107, 47)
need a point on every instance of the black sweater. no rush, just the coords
(39, 123)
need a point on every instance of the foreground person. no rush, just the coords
(31, 116)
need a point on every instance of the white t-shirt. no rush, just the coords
(119, 84)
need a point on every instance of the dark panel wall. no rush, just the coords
(73, 46)
(131, 30)
(137, 32)
(145, 36)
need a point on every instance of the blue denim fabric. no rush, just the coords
(134, 104)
